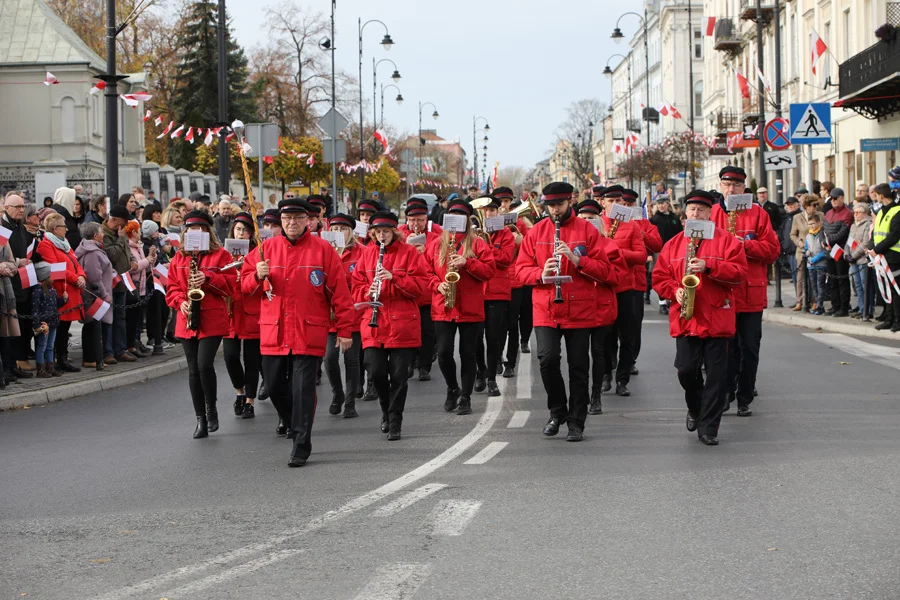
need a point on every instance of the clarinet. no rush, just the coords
(373, 323)
(558, 299)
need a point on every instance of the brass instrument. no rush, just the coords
(558, 298)
(373, 323)
(195, 295)
(613, 227)
(451, 277)
(732, 221)
(528, 208)
(690, 281)
(477, 221)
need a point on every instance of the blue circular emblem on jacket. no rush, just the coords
(351, 268)
(317, 277)
(579, 250)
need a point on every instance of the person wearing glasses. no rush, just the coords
(19, 243)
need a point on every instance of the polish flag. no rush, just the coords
(157, 121)
(50, 79)
(58, 271)
(189, 136)
(116, 280)
(158, 285)
(5, 234)
(161, 272)
(743, 84)
(209, 137)
(817, 48)
(98, 309)
(129, 284)
(382, 138)
(710, 25)
(853, 245)
(177, 133)
(147, 115)
(30, 249)
(229, 136)
(311, 161)
(836, 252)
(762, 78)
(27, 276)
(98, 87)
(166, 130)
(133, 100)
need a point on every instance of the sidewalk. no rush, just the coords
(32, 391)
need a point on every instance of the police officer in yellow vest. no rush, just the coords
(886, 241)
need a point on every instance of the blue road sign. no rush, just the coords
(811, 123)
(879, 144)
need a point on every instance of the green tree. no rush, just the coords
(195, 101)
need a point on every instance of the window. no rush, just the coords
(846, 34)
(849, 169)
(794, 57)
(67, 119)
(698, 43)
(565, 162)
(815, 173)
(698, 99)
(871, 169)
(829, 169)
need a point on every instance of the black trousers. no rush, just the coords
(445, 332)
(351, 366)
(23, 342)
(495, 331)
(291, 381)
(243, 376)
(705, 399)
(132, 319)
(526, 316)
(598, 356)
(839, 283)
(571, 409)
(424, 356)
(201, 356)
(638, 324)
(157, 314)
(743, 357)
(387, 368)
(622, 335)
(513, 314)
(91, 341)
(61, 344)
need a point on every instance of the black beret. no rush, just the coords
(368, 206)
(245, 218)
(384, 218)
(272, 215)
(316, 199)
(699, 197)
(198, 217)
(613, 191)
(731, 173)
(119, 212)
(343, 219)
(597, 191)
(502, 193)
(416, 208)
(460, 206)
(629, 195)
(295, 205)
(556, 192)
(589, 206)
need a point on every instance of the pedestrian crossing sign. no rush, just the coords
(811, 123)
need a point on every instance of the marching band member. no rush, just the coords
(472, 260)
(390, 272)
(306, 280)
(497, 294)
(350, 255)
(627, 237)
(188, 272)
(317, 220)
(364, 211)
(417, 223)
(272, 220)
(754, 230)
(505, 196)
(703, 340)
(565, 245)
(244, 314)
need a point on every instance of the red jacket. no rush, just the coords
(398, 320)
(652, 243)
(431, 228)
(590, 300)
(350, 259)
(307, 280)
(499, 287)
(714, 308)
(244, 311)
(761, 247)
(470, 288)
(631, 244)
(219, 285)
(52, 254)
(424, 299)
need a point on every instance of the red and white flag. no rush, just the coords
(126, 279)
(836, 252)
(58, 271)
(98, 87)
(311, 161)
(133, 100)
(98, 309)
(166, 130)
(177, 132)
(162, 273)
(189, 136)
(30, 249)
(5, 234)
(28, 276)
(710, 23)
(743, 84)
(157, 121)
(158, 285)
(147, 115)
(116, 280)
(853, 245)
(817, 48)
(668, 110)
(762, 78)
(50, 79)
(382, 139)
(209, 137)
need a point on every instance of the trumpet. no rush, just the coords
(690, 281)
(194, 294)
(613, 227)
(451, 277)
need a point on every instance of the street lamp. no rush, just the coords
(387, 43)
(617, 37)
(395, 77)
(399, 98)
(487, 128)
(421, 141)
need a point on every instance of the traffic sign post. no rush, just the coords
(811, 123)
(776, 134)
(781, 160)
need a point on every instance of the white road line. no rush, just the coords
(484, 425)
(519, 418)
(654, 321)
(523, 378)
(883, 355)
(489, 452)
(451, 517)
(394, 582)
(408, 499)
(190, 590)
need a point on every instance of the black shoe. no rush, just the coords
(19, 373)
(880, 327)
(451, 401)
(509, 371)
(410, 371)
(138, 352)
(755, 393)
(480, 382)
(158, 350)
(289, 434)
(499, 370)
(248, 412)
(465, 406)
(634, 371)
(201, 431)
(596, 407)
(647, 299)
(575, 435)
(743, 410)
(263, 392)
(239, 404)
(296, 461)
(729, 398)
(350, 409)
(212, 418)
(690, 422)
(370, 395)
(492, 388)
(67, 367)
(841, 313)
(663, 309)
(525, 349)
(10, 378)
(336, 404)
(883, 316)
(709, 440)
(281, 429)
(552, 426)
(171, 339)
(622, 390)
(384, 423)
(424, 375)
(393, 433)
(607, 383)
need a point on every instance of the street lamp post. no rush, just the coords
(387, 42)
(421, 141)
(691, 85)
(395, 76)
(399, 98)
(487, 128)
(618, 37)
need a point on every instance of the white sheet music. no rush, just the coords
(620, 213)
(492, 224)
(417, 240)
(739, 202)
(265, 234)
(697, 228)
(455, 223)
(361, 230)
(334, 237)
(196, 241)
(237, 247)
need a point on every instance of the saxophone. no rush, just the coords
(732, 222)
(613, 227)
(690, 281)
(451, 277)
(194, 294)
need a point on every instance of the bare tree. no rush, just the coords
(576, 130)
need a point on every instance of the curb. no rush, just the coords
(81, 388)
(829, 324)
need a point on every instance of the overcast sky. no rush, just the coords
(519, 64)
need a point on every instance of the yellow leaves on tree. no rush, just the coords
(207, 160)
(385, 179)
(290, 168)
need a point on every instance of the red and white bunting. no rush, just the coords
(147, 115)
(311, 161)
(177, 133)
(382, 139)
(98, 309)
(209, 137)
(98, 87)
(5, 234)
(158, 121)
(189, 136)
(58, 271)
(166, 130)
(133, 100)
(28, 276)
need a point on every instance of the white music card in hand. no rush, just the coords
(334, 237)
(637, 213)
(695, 228)
(196, 241)
(595, 222)
(739, 202)
(554, 279)
(361, 230)
(265, 234)
(492, 224)
(620, 213)
(510, 219)
(417, 240)
(237, 247)
(455, 223)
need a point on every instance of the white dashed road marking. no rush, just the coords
(190, 590)
(451, 517)
(489, 452)
(408, 499)
(394, 582)
(519, 418)
(883, 355)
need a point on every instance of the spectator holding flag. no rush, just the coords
(860, 235)
(98, 290)
(816, 255)
(837, 229)
(115, 244)
(141, 268)
(45, 304)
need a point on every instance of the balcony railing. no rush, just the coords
(726, 37)
(748, 10)
(870, 66)
(633, 125)
(618, 134)
(725, 121)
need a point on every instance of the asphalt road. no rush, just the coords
(109, 497)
